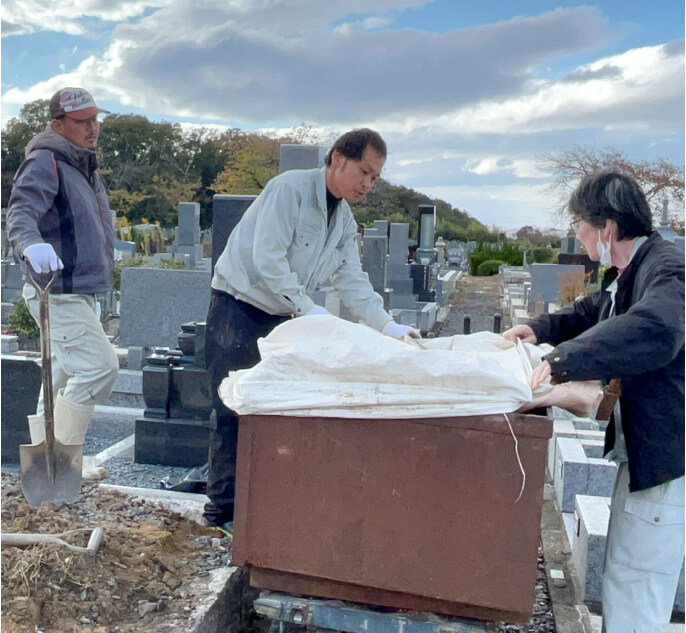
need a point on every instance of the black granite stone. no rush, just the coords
(21, 382)
(420, 274)
(590, 267)
(171, 442)
(189, 394)
(199, 359)
(156, 386)
(226, 212)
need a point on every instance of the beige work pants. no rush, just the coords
(643, 556)
(84, 363)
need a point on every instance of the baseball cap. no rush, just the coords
(76, 102)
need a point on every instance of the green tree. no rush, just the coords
(251, 167)
(33, 118)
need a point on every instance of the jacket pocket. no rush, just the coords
(651, 536)
(306, 235)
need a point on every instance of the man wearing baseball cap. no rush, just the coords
(59, 220)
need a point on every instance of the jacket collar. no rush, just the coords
(320, 190)
(612, 274)
(78, 157)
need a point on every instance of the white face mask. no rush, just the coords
(605, 251)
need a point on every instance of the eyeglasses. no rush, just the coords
(83, 122)
(574, 225)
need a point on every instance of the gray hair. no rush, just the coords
(611, 195)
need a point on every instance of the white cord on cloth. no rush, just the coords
(519, 461)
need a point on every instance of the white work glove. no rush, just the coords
(43, 258)
(395, 330)
(315, 309)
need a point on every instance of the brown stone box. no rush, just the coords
(415, 514)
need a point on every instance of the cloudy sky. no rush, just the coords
(467, 94)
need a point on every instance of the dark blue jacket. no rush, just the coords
(58, 197)
(643, 344)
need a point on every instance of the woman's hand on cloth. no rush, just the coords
(521, 332)
(539, 374)
(578, 397)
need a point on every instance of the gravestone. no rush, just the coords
(187, 240)
(398, 247)
(176, 388)
(577, 473)
(124, 250)
(296, 156)
(381, 227)
(426, 252)
(547, 281)
(665, 228)
(328, 298)
(20, 386)
(398, 269)
(12, 282)
(374, 260)
(444, 286)
(226, 213)
(588, 539)
(440, 251)
(581, 259)
(155, 302)
(570, 244)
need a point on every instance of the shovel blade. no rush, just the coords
(56, 478)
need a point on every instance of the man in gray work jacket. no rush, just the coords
(59, 219)
(296, 235)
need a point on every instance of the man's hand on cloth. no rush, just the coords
(395, 330)
(315, 309)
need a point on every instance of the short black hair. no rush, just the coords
(352, 144)
(609, 194)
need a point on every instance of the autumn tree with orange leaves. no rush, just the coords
(659, 179)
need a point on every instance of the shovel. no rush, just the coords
(50, 471)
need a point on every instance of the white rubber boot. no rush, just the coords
(71, 421)
(37, 428)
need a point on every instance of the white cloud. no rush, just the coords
(464, 112)
(29, 16)
(506, 206)
(240, 63)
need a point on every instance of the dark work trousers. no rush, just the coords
(231, 334)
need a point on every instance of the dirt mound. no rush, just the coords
(144, 575)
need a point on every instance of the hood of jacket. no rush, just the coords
(78, 157)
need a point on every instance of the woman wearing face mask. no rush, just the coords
(632, 329)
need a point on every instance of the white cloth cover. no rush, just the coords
(321, 365)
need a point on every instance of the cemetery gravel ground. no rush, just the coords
(478, 297)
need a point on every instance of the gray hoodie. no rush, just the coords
(58, 197)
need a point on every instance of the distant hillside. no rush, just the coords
(396, 203)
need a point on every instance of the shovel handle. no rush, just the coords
(46, 353)
(22, 539)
